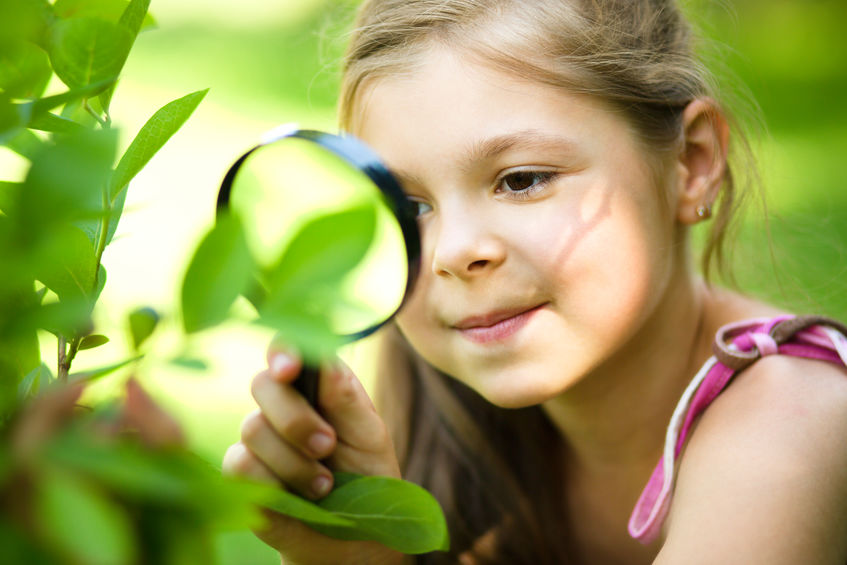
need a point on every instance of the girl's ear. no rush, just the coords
(702, 160)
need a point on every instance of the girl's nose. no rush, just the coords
(466, 248)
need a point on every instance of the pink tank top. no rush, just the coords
(736, 346)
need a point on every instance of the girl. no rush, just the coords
(558, 152)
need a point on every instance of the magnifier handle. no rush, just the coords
(307, 384)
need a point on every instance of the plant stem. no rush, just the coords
(66, 357)
(103, 123)
(62, 369)
(68, 352)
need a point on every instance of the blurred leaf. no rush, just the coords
(24, 70)
(101, 283)
(217, 274)
(66, 183)
(49, 102)
(111, 10)
(399, 514)
(94, 374)
(53, 123)
(171, 480)
(142, 322)
(153, 135)
(92, 341)
(23, 142)
(88, 50)
(317, 256)
(67, 318)
(70, 273)
(24, 20)
(34, 381)
(191, 363)
(307, 331)
(8, 194)
(18, 546)
(82, 522)
(13, 117)
(131, 20)
(117, 211)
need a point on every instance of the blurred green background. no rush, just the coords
(274, 62)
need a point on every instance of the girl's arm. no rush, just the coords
(764, 478)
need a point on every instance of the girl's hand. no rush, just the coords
(287, 442)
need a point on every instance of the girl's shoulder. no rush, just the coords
(764, 478)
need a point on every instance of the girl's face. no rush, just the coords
(546, 240)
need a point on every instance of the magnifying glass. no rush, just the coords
(333, 237)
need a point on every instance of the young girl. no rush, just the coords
(539, 380)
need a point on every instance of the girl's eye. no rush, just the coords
(419, 207)
(525, 181)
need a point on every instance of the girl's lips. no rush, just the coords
(496, 326)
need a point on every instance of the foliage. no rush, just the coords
(111, 485)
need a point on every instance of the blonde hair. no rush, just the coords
(637, 56)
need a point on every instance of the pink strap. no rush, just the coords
(738, 345)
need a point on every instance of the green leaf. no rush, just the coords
(219, 271)
(399, 514)
(110, 10)
(142, 322)
(317, 256)
(95, 374)
(34, 381)
(66, 183)
(92, 341)
(48, 103)
(24, 20)
(88, 50)
(131, 20)
(153, 135)
(53, 123)
(21, 350)
(191, 363)
(24, 70)
(82, 522)
(71, 272)
(66, 319)
(308, 332)
(304, 510)
(117, 211)
(13, 117)
(8, 194)
(23, 142)
(396, 513)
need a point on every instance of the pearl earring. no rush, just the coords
(704, 211)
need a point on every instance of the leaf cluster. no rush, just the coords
(56, 221)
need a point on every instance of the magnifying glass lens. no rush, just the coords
(325, 238)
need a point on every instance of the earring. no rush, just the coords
(704, 211)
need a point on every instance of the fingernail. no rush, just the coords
(321, 485)
(320, 444)
(280, 363)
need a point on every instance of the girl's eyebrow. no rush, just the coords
(492, 147)
(523, 139)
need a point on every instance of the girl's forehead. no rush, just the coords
(458, 96)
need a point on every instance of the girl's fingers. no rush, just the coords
(364, 445)
(303, 474)
(292, 418)
(239, 461)
(283, 364)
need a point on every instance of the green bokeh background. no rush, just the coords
(274, 62)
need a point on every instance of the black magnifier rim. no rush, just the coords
(363, 158)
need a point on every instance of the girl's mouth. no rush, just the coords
(496, 326)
